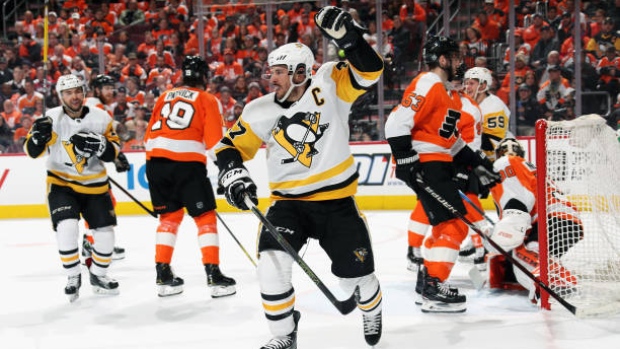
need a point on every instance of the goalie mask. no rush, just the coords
(70, 82)
(509, 146)
(298, 59)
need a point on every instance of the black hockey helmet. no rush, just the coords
(195, 70)
(437, 46)
(509, 146)
(102, 80)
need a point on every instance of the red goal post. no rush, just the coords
(578, 171)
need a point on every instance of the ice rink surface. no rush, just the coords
(35, 313)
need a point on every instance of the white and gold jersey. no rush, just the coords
(65, 167)
(495, 122)
(308, 152)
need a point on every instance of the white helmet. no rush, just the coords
(68, 82)
(482, 75)
(294, 56)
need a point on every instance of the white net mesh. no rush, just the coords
(583, 210)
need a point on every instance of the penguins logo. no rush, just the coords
(77, 160)
(298, 135)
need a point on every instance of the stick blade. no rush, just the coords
(347, 306)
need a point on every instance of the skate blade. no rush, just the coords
(441, 307)
(73, 297)
(167, 290)
(105, 291)
(222, 291)
(118, 256)
(418, 299)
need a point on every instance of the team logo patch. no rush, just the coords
(77, 160)
(298, 135)
(361, 253)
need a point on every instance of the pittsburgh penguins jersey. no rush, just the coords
(65, 167)
(308, 152)
(186, 121)
(429, 112)
(495, 122)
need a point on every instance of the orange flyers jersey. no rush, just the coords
(185, 121)
(518, 182)
(429, 112)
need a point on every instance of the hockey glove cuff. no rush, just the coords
(237, 185)
(121, 163)
(407, 167)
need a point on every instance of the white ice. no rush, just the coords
(35, 313)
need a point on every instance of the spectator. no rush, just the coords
(523, 48)
(130, 45)
(547, 43)
(552, 93)
(90, 59)
(607, 37)
(122, 108)
(133, 69)
(226, 100)
(6, 136)
(413, 17)
(26, 102)
(231, 118)
(151, 60)
(254, 91)
(100, 25)
(132, 14)
(160, 69)
(553, 58)
(531, 34)
(7, 94)
(80, 69)
(401, 40)
(230, 69)
(19, 136)
(11, 115)
(495, 14)
(6, 74)
(528, 111)
(532, 82)
(487, 27)
(29, 49)
(608, 69)
(133, 91)
(240, 88)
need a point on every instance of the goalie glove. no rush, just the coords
(237, 184)
(41, 131)
(510, 231)
(88, 144)
(338, 25)
(121, 163)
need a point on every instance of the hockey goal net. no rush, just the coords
(578, 171)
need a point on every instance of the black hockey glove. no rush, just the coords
(407, 167)
(487, 178)
(237, 184)
(41, 131)
(88, 144)
(338, 25)
(121, 163)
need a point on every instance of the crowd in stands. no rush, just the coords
(142, 44)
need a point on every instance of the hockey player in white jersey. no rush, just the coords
(77, 140)
(312, 174)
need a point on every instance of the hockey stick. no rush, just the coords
(498, 248)
(235, 238)
(132, 197)
(344, 307)
(475, 207)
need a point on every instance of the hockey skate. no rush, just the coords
(168, 284)
(221, 286)
(437, 297)
(372, 328)
(285, 342)
(414, 259)
(72, 290)
(103, 284)
(419, 286)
